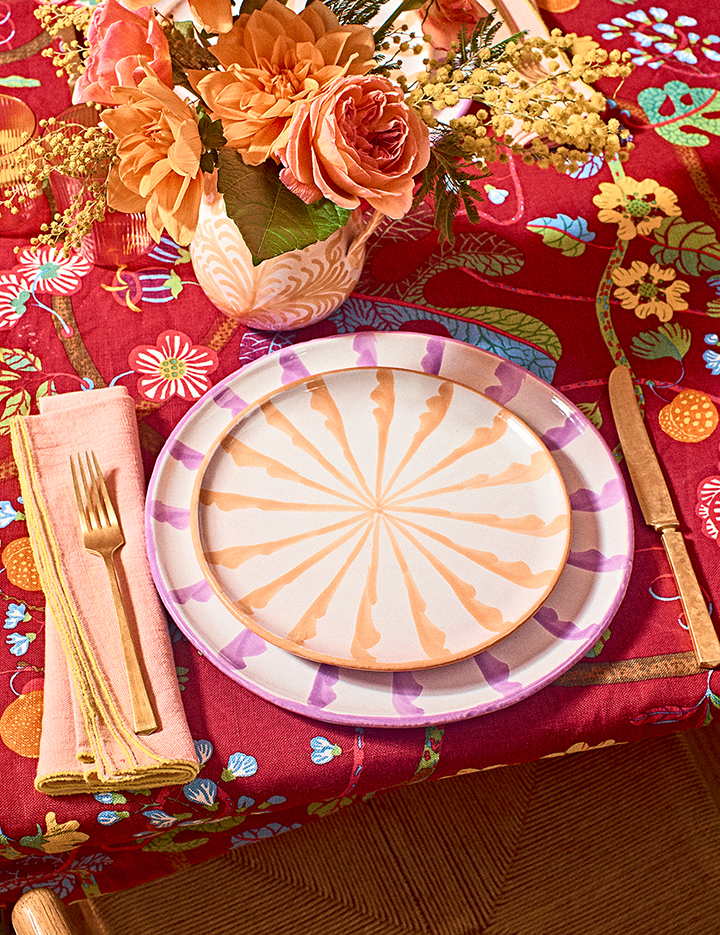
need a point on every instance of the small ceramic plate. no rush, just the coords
(562, 630)
(380, 518)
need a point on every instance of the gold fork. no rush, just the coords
(103, 536)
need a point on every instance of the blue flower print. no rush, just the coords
(201, 792)
(242, 764)
(15, 614)
(323, 750)
(204, 750)
(160, 819)
(110, 798)
(269, 831)
(109, 818)
(19, 642)
(657, 38)
(712, 362)
(8, 513)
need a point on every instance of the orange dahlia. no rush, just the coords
(159, 149)
(273, 60)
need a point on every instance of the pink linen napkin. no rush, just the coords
(87, 742)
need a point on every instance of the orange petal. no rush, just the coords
(214, 15)
(120, 197)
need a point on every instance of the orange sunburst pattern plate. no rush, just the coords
(379, 518)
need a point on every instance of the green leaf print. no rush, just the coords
(592, 412)
(570, 235)
(670, 340)
(691, 246)
(689, 108)
(519, 325)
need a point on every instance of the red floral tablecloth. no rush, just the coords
(565, 276)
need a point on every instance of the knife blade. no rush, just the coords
(656, 504)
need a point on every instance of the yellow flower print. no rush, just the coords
(64, 837)
(650, 290)
(636, 207)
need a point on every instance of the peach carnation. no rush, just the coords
(121, 43)
(356, 140)
(159, 151)
(273, 61)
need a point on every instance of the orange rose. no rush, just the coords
(357, 140)
(273, 61)
(159, 153)
(121, 43)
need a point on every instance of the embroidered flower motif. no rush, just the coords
(650, 290)
(707, 506)
(15, 614)
(269, 831)
(174, 367)
(14, 295)
(63, 837)
(19, 643)
(47, 270)
(660, 39)
(636, 207)
(8, 514)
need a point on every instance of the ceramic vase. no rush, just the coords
(282, 293)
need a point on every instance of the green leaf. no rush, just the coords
(485, 253)
(174, 284)
(213, 825)
(36, 840)
(16, 405)
(519, 325)
(323, 809)
(599, 646)
(17, 359)
(670, 340)
(167, 844)
(691, 246)
(46, 388)
(592, 412)
(357, 12)
(211, 132)
(687, 106)
(490, 255)
(405, 6)
(271, 219)
(563, 233)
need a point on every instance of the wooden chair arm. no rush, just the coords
(41, 912)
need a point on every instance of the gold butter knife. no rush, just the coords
(657, 508)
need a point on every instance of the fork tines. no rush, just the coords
(95, 508)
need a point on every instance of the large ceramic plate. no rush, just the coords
(380, 519)
(569, 623)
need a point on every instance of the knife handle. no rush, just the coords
(702, 630)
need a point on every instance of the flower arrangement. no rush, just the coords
(301, 118)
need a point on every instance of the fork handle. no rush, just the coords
(143, 717)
